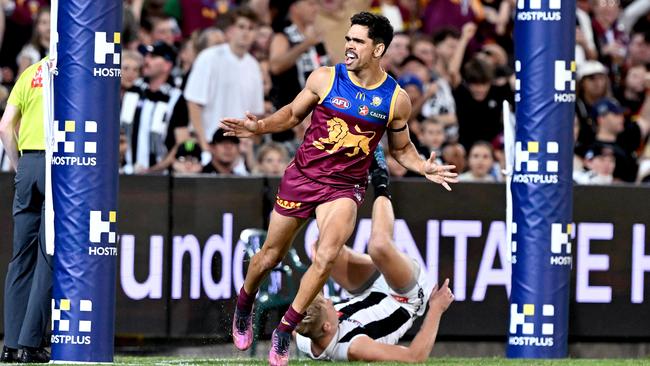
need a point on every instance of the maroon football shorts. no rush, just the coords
(298, 196)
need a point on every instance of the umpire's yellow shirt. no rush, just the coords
(27, 96)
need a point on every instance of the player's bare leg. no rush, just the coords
(282, 230)
(336, 220)
(352, 270)
(397, 267)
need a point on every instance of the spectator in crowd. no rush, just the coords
(196, 14)
(631, 93)
(297, 49)
(39, 46)
(334, 16)
(638, 52)
(396, 54)
(593, 85)
(209, 37)
(441, 14)
(481, 163)
(446, 41)
(28, 284)
(186, 58)
(585, 43)
(226, 158)
(187, 159)
(610, 40)
(423, 48)
(480, 116)
(454, 154)
(391, 10)
(272, 159)
(20, 17)
(600, 163)
(164, 29)
(624, 139)
(226, 80)
(158, 116)
(131, 65)
(432, 137)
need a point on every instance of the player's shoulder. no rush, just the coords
(320, 78)
(32, 70)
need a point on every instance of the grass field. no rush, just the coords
(164, 361)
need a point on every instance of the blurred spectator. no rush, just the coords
(390, 10)
(638, 52)
(631, 93)
(130, 27)
(186, 59)
(197, 14)
(131, 65)
(439, 103)
(600, 163)
(480, 117)
(422, 47)
(498, 13)
(334, 16)
(624, 139)
(432, 137)
(481, 162)
(226, 158)
(209, 37)
(454, 154)
(414, 88)
(272, 159)
(585, 44)
(261, 9)
(644, 172)
(396, 54)
(297, 49)
(39, 46)
(632, 18)
(19, 17)
(260, 51)
(610, 39)
(226, 80)
(441, 14)
(593, 85)
(164, 29)
(187, 159)
(154, 113)
(446, 41)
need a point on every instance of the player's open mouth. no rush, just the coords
(350, 57)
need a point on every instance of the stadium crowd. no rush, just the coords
(188, 63)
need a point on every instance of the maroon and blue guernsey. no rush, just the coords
(345, 129)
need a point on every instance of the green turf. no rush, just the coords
(164, 361)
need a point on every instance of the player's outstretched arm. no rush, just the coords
(403, 150)
(286, 117)
(364, 348)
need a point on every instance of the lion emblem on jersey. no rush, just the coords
(339, 134)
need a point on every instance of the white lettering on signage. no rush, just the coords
(587, 262)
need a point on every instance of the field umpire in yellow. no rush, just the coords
(29, 277)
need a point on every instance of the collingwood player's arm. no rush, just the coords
(364, 348)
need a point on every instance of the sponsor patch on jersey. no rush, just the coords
(363, 110)
(341, 103)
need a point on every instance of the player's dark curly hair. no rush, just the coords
(379, 28)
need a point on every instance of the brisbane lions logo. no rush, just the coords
(339, 134)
